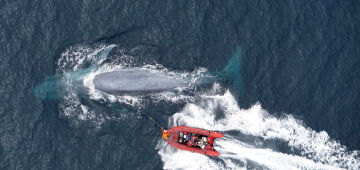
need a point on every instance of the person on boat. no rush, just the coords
(188, 137)
(165, 133)
(191, 140)
(199, 142)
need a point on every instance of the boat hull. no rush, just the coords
(177, 141)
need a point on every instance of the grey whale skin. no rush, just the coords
(135, 82)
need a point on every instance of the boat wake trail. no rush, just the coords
(234, 150)
(265, 141)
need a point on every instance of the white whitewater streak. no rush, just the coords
(69, 63)
(314, 146)
(178, 159)
(265, 157)
(74, 57)
(72, 107)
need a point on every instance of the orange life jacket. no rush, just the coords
(165, 133)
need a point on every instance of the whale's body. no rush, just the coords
(127, 81)
(135, 82)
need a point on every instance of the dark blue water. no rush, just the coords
(297, 58)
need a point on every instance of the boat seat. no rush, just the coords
(181, 137)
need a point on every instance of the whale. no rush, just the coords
(130, 80)
(136, 82)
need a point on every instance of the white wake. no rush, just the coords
(317, 149)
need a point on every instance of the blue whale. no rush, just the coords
(135, 82)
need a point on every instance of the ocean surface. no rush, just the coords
(281, 80)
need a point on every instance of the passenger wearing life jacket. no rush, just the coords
(200, 143)
(192, 140)
(165, 133)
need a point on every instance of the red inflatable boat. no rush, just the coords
(192, 139)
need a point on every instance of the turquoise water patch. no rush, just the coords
(232, 71)
(49, 88)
